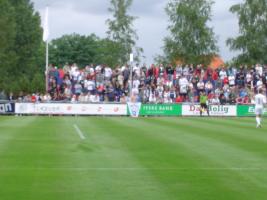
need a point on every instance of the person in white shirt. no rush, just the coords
(259, 69)
(260, 101)
(183, 83)
(223, 74)
(231, 79)
(108, 73)
(89, 85)
(259, 84)
(201, 86)
(136, 83)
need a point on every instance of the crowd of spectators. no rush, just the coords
(153, 84)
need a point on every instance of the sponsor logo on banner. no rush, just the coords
(215, 110)
(161, 109)
(71, 109)
(134, 109)
(247, 110)
(7, 108)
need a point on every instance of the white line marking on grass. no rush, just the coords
(137, 169)
(79, 132)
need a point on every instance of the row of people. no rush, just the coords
(156, 83)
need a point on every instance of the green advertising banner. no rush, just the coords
(247, 110)
(161, 109)
(155, 109)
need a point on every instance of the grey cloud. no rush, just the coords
(89, 16)
(100, 7)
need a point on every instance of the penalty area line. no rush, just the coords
(79, 132)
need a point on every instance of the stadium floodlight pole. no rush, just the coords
(45, 39)
(131, 74)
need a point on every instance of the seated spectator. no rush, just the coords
(222, 99)
(33, 98)
(214, 100)
(94, 98)
(246, 100)
(73, 99)
(152, 98)
(46, 98)
(82, 98)
(232, 97)
(179, 99)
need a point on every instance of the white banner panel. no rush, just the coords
(215, 110)
(71, 109)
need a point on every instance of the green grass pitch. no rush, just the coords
(122, 158)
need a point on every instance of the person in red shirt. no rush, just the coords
(33, 98)
(246, 100)
(215, 78)
(225, 81)
(179, 99)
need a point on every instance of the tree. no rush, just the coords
(28, 40)
(7, 40)
(108, 52)
(22, 49)
(252, 41)
(121, 31)
(190, 40)
(84, 50)
(73, 48)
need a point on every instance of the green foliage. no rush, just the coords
(84, 50)
(191, 40)
(73, 49)
(28, 37)
(108, 52)
(22, 49)
(7, 40)
(252, 41)
(38, 82)
(121, 31)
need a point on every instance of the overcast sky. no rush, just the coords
(89, 16)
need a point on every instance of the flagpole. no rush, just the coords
(46, 67)
(45, 38)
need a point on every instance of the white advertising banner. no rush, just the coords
(71, 109)
(215, 110)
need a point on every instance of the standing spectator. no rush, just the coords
(170, 72)
(208, 87)
(259, 84)
(231, 80)
(107, 73)
(240, 77)
(223, 74)
(11, 97)
(200, 86)
(215, 78)
(183, 83)
(259, 69)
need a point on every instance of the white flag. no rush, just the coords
(45, 26)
